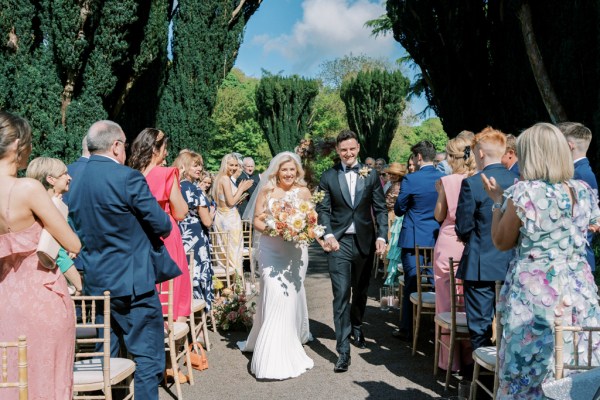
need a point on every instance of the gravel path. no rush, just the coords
(385, 370)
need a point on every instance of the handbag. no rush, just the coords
(47, 249)
(199, 360)
(164, 267)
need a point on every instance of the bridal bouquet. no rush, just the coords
(295, 219)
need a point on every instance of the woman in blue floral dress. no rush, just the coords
(546, 216)
(194, 227)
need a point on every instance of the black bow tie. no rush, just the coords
(355, 168)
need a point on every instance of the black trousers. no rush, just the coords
(350, 272)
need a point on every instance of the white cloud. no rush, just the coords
(329, 29)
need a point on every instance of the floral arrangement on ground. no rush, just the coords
(233, 309)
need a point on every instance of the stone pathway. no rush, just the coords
(385, 370)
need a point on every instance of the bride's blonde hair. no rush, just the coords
(276, 164)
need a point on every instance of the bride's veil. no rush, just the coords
(267, 178)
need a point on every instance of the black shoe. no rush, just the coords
(402, 335)
(359, 338)
(342, 363)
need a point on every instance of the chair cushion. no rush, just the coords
(486, 356)
(428, 298)
(84, 332)
(198, 305)
(180, 329)
(88, 372)
(461, 320)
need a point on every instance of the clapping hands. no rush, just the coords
(492, 188)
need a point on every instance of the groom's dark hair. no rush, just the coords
(426, 149)
(345, 135)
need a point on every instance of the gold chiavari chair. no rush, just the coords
(21, 383)
(423, 299)
(219, 256)
(197, 318)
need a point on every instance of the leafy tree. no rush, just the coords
(406, 136)
(374, 103)
(67, 64)
(284, 109)
(334, 72)
(235, 122)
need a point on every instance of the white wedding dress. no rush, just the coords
(281, 320)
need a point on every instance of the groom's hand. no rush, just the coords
(380, 247)
(331, 244)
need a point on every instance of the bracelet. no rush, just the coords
(496, 206)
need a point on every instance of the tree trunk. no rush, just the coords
(553, 106)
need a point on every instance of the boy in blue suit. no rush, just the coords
(416, 201)
(579, 138)
(481, 263)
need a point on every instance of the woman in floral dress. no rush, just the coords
(546, 216)
(194, 227)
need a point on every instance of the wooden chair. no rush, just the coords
(219, 256)
(454, 321)
(487, 357)
(248, 251)
(97, 370)
(579, 334)
(176, 338)
(198, 308)
(423, 299)
(21, 383)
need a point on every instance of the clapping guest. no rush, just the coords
(194, 227)
(510, 159)
(545, 217)
(35, 300)
(462, 163)
(227, 218)
(52, 173)
(481, 263)
(148, 152)
(248, 172)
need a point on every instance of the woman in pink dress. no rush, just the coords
(35, 300)
(447, 245)
(148, 152)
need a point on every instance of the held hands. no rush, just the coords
(492, 188)
(380, 247)
(330, 244)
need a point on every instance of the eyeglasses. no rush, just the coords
(125, 144)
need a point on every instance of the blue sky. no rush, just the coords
(296, 36)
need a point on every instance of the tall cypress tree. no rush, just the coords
(374, 102)
(284, 109)
(206, 37)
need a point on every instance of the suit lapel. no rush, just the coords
(344, 186)
(359, 189)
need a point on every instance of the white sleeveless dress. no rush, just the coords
(281, 320)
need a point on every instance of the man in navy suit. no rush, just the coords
(416, 201)
(353, 196)
(115, 214)
(579, 138)
(481, 263)
(74, 169)
(510, 159)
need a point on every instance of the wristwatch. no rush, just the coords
(496, 206)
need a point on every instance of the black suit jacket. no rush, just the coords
(336, 211)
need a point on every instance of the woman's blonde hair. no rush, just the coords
(186, 160)
(460, 156)
(222, 172)
(281, 159)
(42, 167)
(544, 154)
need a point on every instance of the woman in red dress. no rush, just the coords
(148, 152)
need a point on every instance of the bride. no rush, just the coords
(281, 321)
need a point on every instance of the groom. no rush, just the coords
(353, 194)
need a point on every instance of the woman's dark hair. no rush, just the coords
(148, 141)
